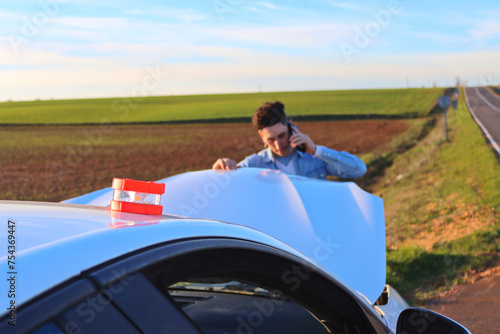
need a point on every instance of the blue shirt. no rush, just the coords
(324, 162)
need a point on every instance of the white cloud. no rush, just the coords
(68, 77)
(7, 15)
(255, 9)
(267, 5)
(183, 14)
(300, 36)
(441, 38)
(486, 29)
(92, 23)
(96, 78)
(346, 5)
(263, 7)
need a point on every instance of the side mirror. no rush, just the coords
(416, 320)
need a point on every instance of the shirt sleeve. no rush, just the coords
(258, 160)
(254, 160)
(245, 162)
(342, 164)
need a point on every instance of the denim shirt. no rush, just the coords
(324, 162)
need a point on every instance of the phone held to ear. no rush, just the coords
(291, 130)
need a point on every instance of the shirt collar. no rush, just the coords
(300, 153)
(269, 156)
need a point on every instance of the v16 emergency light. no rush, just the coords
(137, 196)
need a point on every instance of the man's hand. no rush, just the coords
(299, 138)
(225, 164)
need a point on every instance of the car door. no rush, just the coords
(208, 285)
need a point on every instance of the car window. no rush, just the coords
(48, 328)
(246, 291)
(96, 314)
(239, 307)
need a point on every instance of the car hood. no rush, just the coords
(335, 224)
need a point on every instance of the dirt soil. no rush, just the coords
(54, 163)
(464, 219)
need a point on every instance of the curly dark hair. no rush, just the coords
(269, 114)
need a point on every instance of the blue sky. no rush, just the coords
(82, 49)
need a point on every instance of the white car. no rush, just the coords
(246, 251)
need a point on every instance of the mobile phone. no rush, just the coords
(291, 127)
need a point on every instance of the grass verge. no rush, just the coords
(495, 90)
(442, 201)
(420, 274)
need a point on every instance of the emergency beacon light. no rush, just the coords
(137, 196)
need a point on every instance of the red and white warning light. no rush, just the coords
(137, 196)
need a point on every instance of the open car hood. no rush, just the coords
(336, 224)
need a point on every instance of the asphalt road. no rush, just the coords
(475, 305)
(485, 107)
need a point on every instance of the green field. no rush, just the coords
(401, 102)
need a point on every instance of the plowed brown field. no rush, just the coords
(54, 163)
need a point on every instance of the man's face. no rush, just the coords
(277, 138)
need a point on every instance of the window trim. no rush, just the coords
(142, 261)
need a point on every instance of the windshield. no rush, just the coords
(230, 286)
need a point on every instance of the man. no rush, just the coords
(293, 152)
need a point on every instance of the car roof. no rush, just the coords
(55, 242)
(336, 225)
